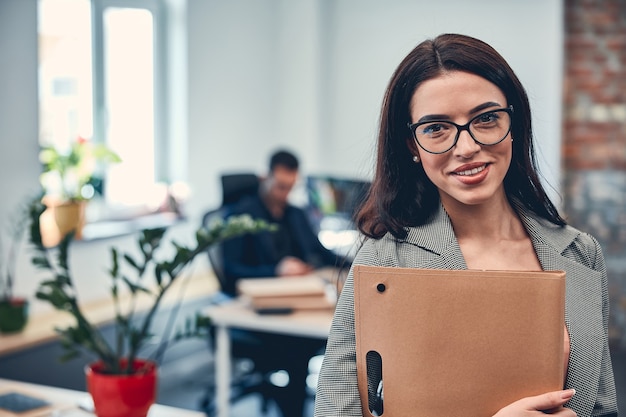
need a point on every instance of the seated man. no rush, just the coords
(292, 250)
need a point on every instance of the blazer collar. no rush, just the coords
(549, 240)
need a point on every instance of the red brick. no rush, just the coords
(595, 73)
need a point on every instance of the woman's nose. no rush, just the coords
(466, 146)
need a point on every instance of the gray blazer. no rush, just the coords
(435, 246)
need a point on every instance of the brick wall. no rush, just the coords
(594, 135)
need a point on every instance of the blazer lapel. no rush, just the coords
(437, 236)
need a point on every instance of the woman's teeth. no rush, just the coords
(471, 171)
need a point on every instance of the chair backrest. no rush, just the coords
(215, 252)
(236, 186)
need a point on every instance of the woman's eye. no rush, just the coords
(433, 129)
(486, 118)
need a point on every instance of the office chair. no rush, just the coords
(237, 186)
(215, 251)
(250, 374)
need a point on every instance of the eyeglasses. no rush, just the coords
(439, 136)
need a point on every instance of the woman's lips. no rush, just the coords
(471, 175)
(471, 171)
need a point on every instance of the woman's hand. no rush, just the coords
(549, 403)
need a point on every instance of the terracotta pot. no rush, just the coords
(122, 395)
(13, 315)
(59, 219)
(70, 216)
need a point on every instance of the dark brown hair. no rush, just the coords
(285, 159)
(401, 194)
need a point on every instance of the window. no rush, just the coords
(102, 77)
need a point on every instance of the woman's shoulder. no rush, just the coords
(563, 235)
(372, 250)
(568, 240)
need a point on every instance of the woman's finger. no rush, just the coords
(551, 402)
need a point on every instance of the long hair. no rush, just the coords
(401, 195)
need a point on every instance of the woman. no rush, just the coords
(456, 158)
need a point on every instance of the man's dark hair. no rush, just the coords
(285, 159)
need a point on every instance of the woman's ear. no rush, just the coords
(413, 151)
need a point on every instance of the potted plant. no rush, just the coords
(121, 371)
(13, 308)
(68, 178)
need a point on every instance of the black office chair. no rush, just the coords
(234, 187)
(250, 375)
(215, 251)
(237, 186)
(254, 362)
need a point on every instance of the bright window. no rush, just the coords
(101, 78)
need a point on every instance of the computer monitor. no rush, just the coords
(334, 200)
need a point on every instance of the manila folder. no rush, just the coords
(456, 343)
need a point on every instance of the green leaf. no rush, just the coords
(158, 275)
(115, 266)
(132, 262)
(134, 288)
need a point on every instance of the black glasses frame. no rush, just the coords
(459, 128)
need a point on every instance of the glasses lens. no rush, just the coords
(435, 137)
(491, 127)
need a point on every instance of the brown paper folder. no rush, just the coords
(460, 343)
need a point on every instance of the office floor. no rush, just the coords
(183, 383)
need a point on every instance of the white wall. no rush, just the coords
(19, 167)
(311, 74)
(253, 86)
(367, 39)
(307, 74)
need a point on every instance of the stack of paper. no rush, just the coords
(297, 293)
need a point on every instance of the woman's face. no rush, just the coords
(469, 173)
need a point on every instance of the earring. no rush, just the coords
(416, 159)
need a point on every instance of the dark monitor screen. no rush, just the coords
(330, 196)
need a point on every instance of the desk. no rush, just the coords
(71, 397)
(309, 323)
(40, 327)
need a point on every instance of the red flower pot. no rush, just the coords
(122, 395)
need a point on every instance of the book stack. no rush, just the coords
(310, 292)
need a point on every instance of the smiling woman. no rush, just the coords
(456, 187)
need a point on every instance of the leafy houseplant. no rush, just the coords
(68, 180)
(132, 331)
(121, 382)
(68, 174)
(13, 309)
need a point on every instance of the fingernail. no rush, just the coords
(568, 393)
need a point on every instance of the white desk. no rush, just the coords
(235, 315)
(72, 398)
